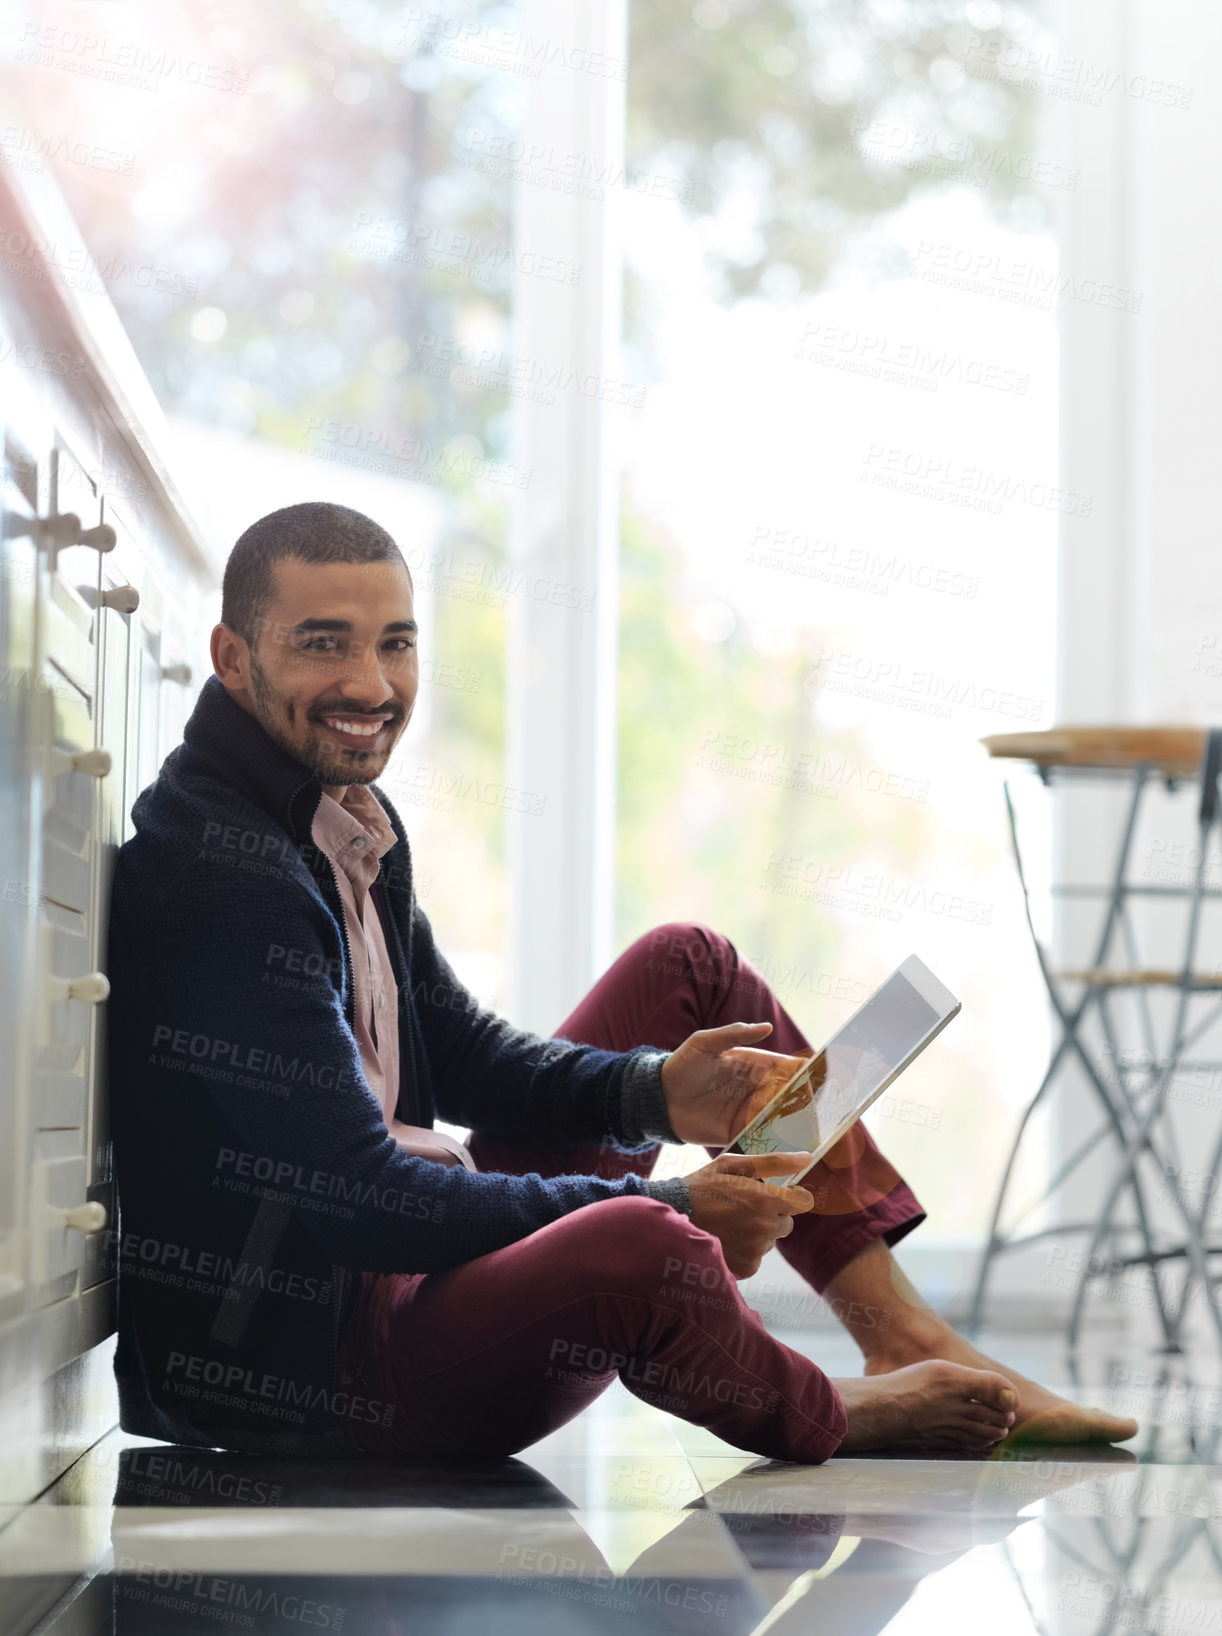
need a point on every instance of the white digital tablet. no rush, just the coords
(834, 1087)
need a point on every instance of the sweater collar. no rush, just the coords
(231, 745)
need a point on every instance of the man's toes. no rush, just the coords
(1067, 1423)
(968, 1437)
(993, 1390)
(1113, 1428)
(980, 1428)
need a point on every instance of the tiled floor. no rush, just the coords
(630, 1521)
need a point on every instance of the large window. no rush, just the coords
(840, 518)
(291, 207)
(836, 401)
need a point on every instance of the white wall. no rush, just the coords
(1142, 407)
(561, 703)
(1140, 630)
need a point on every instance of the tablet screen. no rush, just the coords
(875, 1042)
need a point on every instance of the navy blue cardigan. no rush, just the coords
(254, 1166)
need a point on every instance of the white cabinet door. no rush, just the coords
(117, 734)
(19, 505)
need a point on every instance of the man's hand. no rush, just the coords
(730, 1201)
(715, 1083)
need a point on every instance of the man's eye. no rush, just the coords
(319, 644)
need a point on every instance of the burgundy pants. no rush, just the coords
(491, 1356)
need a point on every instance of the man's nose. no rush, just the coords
(364, 678)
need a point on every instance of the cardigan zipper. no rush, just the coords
(350, 1012)
(339, 1271)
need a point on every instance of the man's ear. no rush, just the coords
(230, 658)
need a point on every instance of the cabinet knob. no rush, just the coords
(101, 538)
(61, 530)
(176, 673)
(96, 763)
(93, 763)
(86, 1218)
(123, 599)
(92, 988)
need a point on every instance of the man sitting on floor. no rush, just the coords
(304, 1264)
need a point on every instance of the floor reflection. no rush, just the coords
(628, 1520)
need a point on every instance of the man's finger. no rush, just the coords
(796, 1200)
(777, 1164)
(760, 1165)
(729, 1035)
(736, 1164)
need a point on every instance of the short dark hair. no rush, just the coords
(316, 531)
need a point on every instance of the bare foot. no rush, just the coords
(1042, 1416)
(931, 1405)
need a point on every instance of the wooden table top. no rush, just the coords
(1173, 751)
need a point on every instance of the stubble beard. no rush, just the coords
(277, 720)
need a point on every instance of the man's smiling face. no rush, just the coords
(333, 674)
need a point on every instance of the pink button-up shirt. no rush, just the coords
(356, 834)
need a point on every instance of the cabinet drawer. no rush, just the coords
(69, 644)
(65, 1024)
(114, 672)
(66, 876)
(68, 718)
(58, 1185)
(60, 1100)
(67, 838)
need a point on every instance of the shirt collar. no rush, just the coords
(358, 824)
